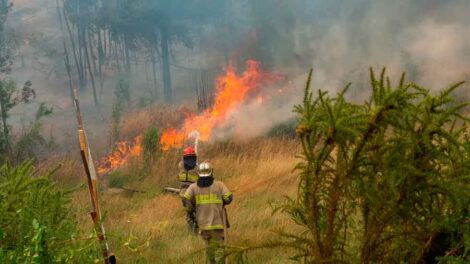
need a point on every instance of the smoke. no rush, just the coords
(441, 50)
(262, 111)
(428, 39)
(340, 40)
(262, 117)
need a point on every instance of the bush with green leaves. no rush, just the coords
(118, 179)
(36, 223)
(387, 181)
(380, 182)
(150, 143)
(116, 116)
(32, 140)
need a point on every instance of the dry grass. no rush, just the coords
(258, 172)
(150, 227)
(137, 121)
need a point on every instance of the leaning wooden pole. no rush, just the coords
(92, 185)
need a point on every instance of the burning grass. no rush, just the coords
(131, 127)
(150, 227)
(232, 90)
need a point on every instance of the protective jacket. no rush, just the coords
(186, 177)
(208, 197)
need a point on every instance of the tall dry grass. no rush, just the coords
(149, 226)
(137, 121)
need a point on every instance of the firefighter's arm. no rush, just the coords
(188, 199)
(227, 196)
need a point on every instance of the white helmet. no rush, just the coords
(205, 169)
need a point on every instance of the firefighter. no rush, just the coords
(187, 176)
(209, 198)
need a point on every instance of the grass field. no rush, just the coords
(149, 226)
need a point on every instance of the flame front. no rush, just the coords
(231, 91)
(121, 155)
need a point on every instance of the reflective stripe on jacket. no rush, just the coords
(209, 204)
(188, 176)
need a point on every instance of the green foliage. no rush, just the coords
(116, 117)
(380, 181)
(122, 93)
(122, 90)
(36, 225)
(43, 111)
(8, 42)
(7, 92)
(118, 179)
(32, 139)
(150, 143)
(10, 96)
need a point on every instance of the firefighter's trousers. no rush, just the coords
(214, 240)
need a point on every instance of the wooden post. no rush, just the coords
(92, 181)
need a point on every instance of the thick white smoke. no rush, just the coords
(340, 40)
(430, 40)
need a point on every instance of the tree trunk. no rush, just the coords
(74, 47)
(90, 71)
(96, 65)
(67, 60)
(154, 71)
(103, 40)
(6, 132)
(101, 56)
(166, 65)
(91, 52)
(126, 53)
(81, 59)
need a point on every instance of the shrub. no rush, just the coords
(118, 179)
(386, 181)
(380, 181)
(116, 117)
(32, 140)
(36, 224)
(150, 143)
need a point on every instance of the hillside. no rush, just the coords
(342, 130)
(258, 172)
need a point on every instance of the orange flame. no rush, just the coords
(172, 137)
(121, 155)
(231, 91)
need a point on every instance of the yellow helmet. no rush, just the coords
(205, 169)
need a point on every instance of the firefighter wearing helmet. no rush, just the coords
(208, 198)
(187, 176)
